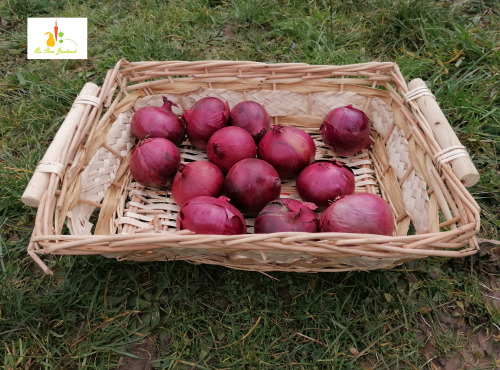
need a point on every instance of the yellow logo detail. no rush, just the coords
(51, 41)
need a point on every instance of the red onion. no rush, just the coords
(205, 117)
(362, 213)
(252, 117)
(197, 178)
(288, 149)
(323, 181)
(252, 183)
(346, 130)
(209, 215)
(287, 214)
(154, 162)
(150, 122)
(229, 145)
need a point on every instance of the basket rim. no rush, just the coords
(187, 239)
(133, 65)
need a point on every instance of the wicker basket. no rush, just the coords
(416, 164)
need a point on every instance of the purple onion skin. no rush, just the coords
(209, 215)
(250, 184)
(154, 162)
(196, 179)
(288, 149)
(324, 181)
(229, 145)
(205, 117)
(252, 117)
(150, 122)
(362, 213)
(346, 130)
(285, 214)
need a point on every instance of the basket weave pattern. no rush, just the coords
(434, 214)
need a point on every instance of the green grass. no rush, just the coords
(98, 313)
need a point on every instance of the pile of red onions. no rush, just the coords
(209, 215)
(288, 149)
(346, 130)
(214, 194)
(286, 214)
(195, 179)
(252, 183)
(252, 117)
(149, 122)
(205, 117)
(154, 162)
(324, 181)
(362, 213)
(229, 145)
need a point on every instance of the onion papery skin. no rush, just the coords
(346, 130)
(250, 184)
(324, 181)
(154, 162)
(286, 214)
(251, 116)
(362, 213)
(196, 179)
(150, 122)
(206, 116)
(210, 215)
(229, 145)
(288, 149)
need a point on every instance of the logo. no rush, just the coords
(57, 38)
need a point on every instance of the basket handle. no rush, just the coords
(51, 161)
(452, 149)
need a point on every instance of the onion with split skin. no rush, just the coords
(286, 214)
(250, 184)
(195, 179)
(324, 181)
(210, 215)
(154, 162)
(288, 149)
(346, 130)
(362, 213)
(150, 122)
(205, 117)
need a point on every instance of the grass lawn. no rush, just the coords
(99, 313)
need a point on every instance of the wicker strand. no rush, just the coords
(417, 93)
(450, 153)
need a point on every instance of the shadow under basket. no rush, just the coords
(88, 204)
